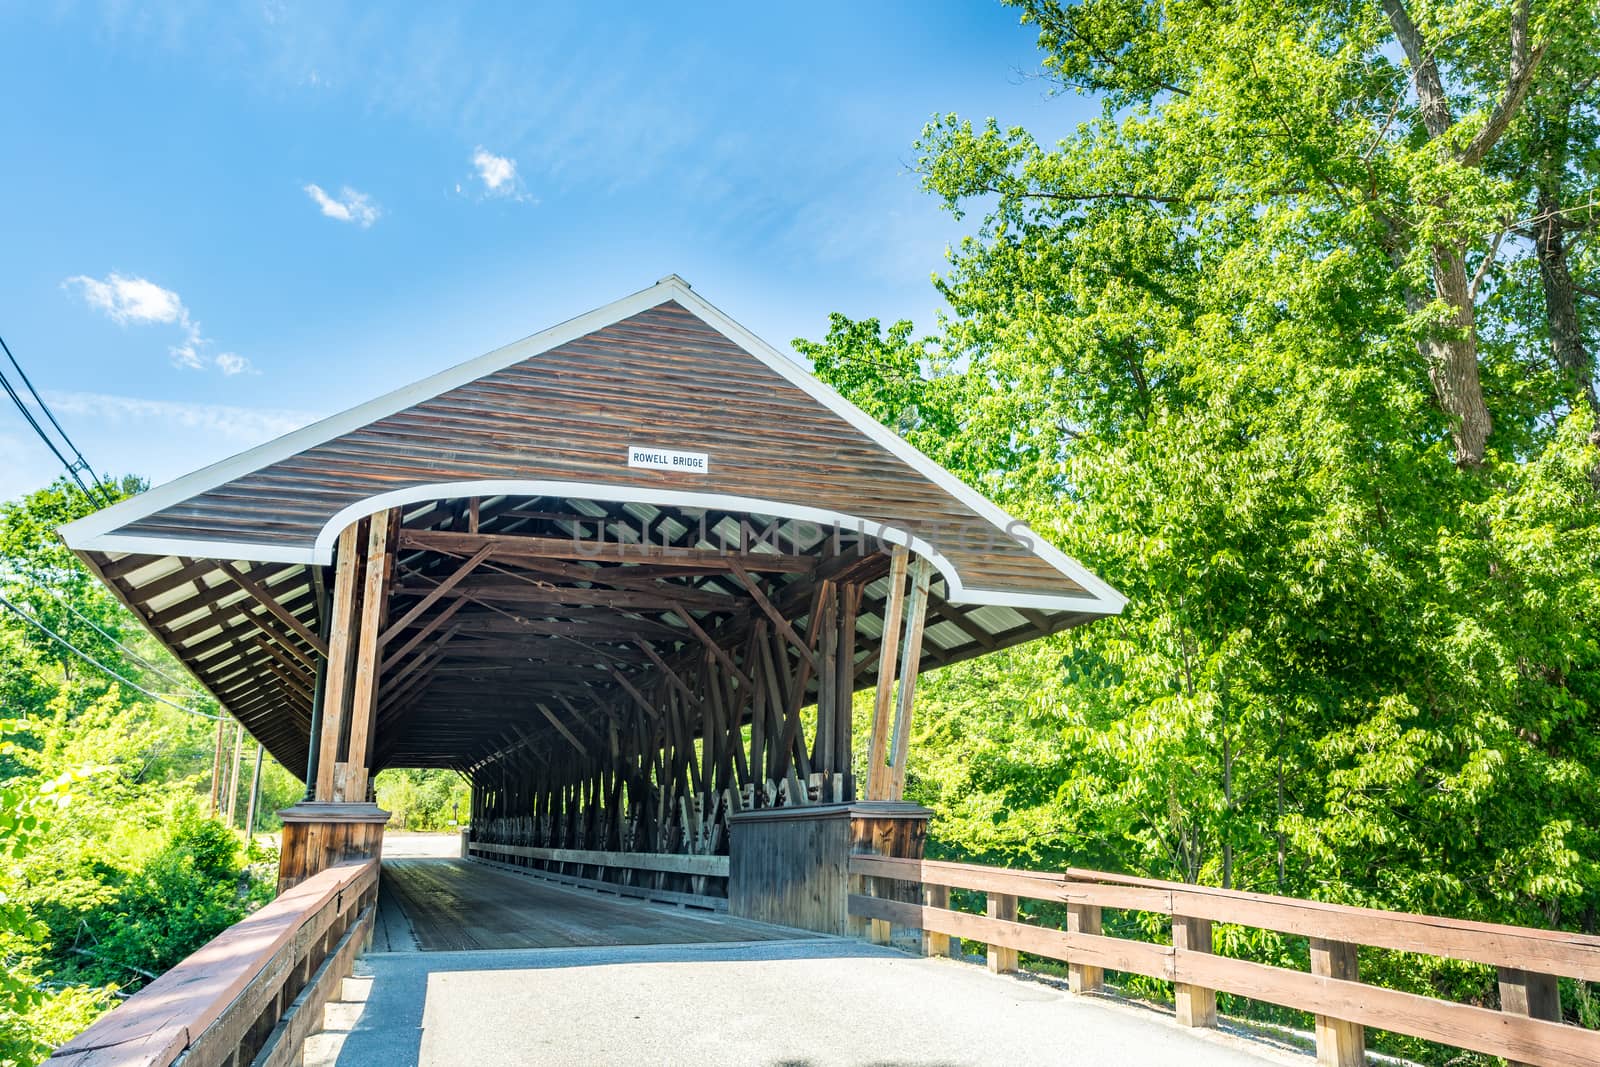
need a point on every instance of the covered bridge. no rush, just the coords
(600, 572)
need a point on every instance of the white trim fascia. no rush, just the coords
(322, 553)
(238, 551)
(93, 532)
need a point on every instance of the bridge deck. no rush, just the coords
(456, 905)
(594, 979)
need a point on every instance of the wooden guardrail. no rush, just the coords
(647, 870)
(1526, 1029)
(252, 994)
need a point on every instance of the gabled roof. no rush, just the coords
(555, 415)
(226, 566)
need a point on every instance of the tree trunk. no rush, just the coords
(1561, 304)
(1453, 360)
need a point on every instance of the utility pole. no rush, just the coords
(233, 779)
(255, 791)
(216, 768)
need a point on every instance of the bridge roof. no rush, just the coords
(656, 409)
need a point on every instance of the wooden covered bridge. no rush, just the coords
(626, 576)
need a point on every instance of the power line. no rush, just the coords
(75, 650)
(78, 463)
(124, 649)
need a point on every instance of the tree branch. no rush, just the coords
(1488, 260)
(1128, 194)
(1523, 65)
(1434, 103)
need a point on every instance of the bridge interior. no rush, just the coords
(442, 905)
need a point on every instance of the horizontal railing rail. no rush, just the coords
(1526, 1029)
(639, 874)
(252, 994)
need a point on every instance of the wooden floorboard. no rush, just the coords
(457, 904)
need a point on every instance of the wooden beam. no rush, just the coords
(438, 591)
(561, 728)
(423, 633)
(878, 772)
(958, 618)
(531, 592)
(270, 602)
(513, 545)
(431, 654)
(778, 620)
(716, 650)
(910, 662)
(651, 712)
(364, 691)
(336, 689)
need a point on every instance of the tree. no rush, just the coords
(1214, 344)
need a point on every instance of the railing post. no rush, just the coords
(1002, 906)
(1084, 919)
(1339, 1043)
(1529, 993)
(935, 896)
(1196, 1005)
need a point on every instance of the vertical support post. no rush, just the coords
(827, 690)
(1197, 1005)
(339, 645)
(1002, 906)
(255, 793)
(233, 776)
(1537, 996)
(843, 734)
(888, 655)
(935, 896)
(910, 662)
(319, 686)
(364, 690)
(1081, 977)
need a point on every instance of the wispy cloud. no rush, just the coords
(141, 302)
(240, 424)
(350, 205)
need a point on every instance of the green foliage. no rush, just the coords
(110, 872)
(193, 888)
(1184, 344)
(424, 799)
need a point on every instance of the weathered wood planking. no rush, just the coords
(317, 836)
(469, 904)
(792, 866)
(676, 863)
(1526, 1030)
(595, 397)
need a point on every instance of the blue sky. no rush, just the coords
(223, 221)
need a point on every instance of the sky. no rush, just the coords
(222, 221)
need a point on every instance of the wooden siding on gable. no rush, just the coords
(661, 378)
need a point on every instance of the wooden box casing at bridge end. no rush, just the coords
(317, 836)
(791, 866)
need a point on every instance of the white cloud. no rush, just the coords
(499, 173)
(231, 363)
(130, 299)
(142, 302)
(349, 206)
(246, 425)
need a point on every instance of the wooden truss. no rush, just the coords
(611, 684)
